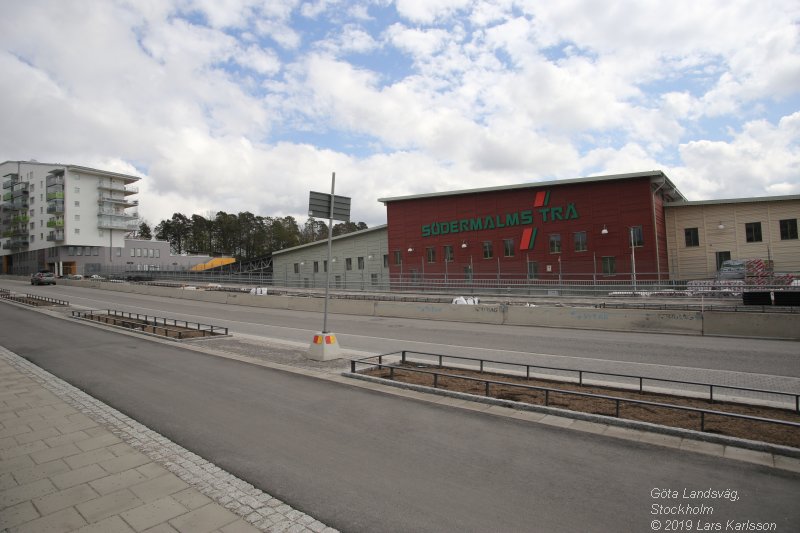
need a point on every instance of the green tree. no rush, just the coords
(144, 231)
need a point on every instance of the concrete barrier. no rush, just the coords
(483, 314)
(688, 322)
(740, 324)
(764, 325)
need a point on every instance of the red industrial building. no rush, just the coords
(606, 227)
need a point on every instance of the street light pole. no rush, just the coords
(633, 258)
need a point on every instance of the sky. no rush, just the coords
(247, 105)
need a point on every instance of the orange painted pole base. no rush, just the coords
(324, 347)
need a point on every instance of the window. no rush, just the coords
(316, 267)
(32, 212)
(374, 279)
(398, 259)
(430, 253)
(360, 263)
(555, 243)
(752, 231)
(788, 229)
(77, 231)
(348, 263)
(71, 251)
(325, 265)
(609, 266)
(138, 252)
(722, 257)
(77, 189)
(87, 250)
(79, 251)
(95, 251)
(488, 251)
(33, 225)
(119, 252)
(297, 268)
(637, 236)
(448, 253)
(158, 253)
(33, 200)
(508, 247)
(692, 237)
(33, 238)
(133, 252)
(385, 260)
(77, 203)
(150, 252)
(580, 241)
(77, 217)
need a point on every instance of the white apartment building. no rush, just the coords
(72, 220)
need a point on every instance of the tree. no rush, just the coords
(343, 228)
(144, 231)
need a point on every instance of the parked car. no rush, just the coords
(43, 278)
(732, 269)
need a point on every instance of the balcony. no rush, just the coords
(16, 243)
(118, 187)
(111, 212)
(57, 222)
(55, 207)
(10, 181)
(55, 195)
(53, 180)
(117, 223)
(119, 201)
(56, 236)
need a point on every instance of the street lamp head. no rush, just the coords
(604, 231)
(721, 226)
(464, 244)
(410, 249)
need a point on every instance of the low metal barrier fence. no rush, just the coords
(140, 321)
(32, 299)
(548, 391)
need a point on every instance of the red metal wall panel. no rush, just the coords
(519, 214)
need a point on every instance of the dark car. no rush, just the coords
(43, 278)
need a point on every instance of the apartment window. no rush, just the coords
(448, 253)
(374, 279)
(158, 253)
(361, 263)
(138, 252)
(348, 263)
(316, 267)
(150, 252)
(488, 250)
(133, 252)
(325, 265)
(77, 189)
(609, 266)
(430, 253)
(297, 268)
(33, 225)
(41, 210)
(580, 241)
(95, 251)
(77, 231)
(637, 236)
(119, 252)
(788, 229)
(71, 251)
(32, 212)
(33, 238)
(385, 260)
(555, 243)
(77, 203)
(692, 237)
(77, 217)
(752, 231)
(33, 200)
(508, 247)
(79, 251)
(398, 259)
(33, 186)
(87, 251)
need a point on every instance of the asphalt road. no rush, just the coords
(361, 461)
(646, 353)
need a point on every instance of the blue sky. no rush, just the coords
(246, 105)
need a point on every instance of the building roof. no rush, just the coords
(325, 241)
(686, 203)
(655, 175)
(88, 170)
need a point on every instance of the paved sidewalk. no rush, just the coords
(70, 463)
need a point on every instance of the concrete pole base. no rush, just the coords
(324, 347)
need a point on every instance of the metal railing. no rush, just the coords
(169, 325)
(32, 299)
(548, 391)
(579, 374)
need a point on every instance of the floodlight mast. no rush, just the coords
(330, 265)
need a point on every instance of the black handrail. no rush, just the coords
(581, 374)
(153, 320)
(548, 390)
